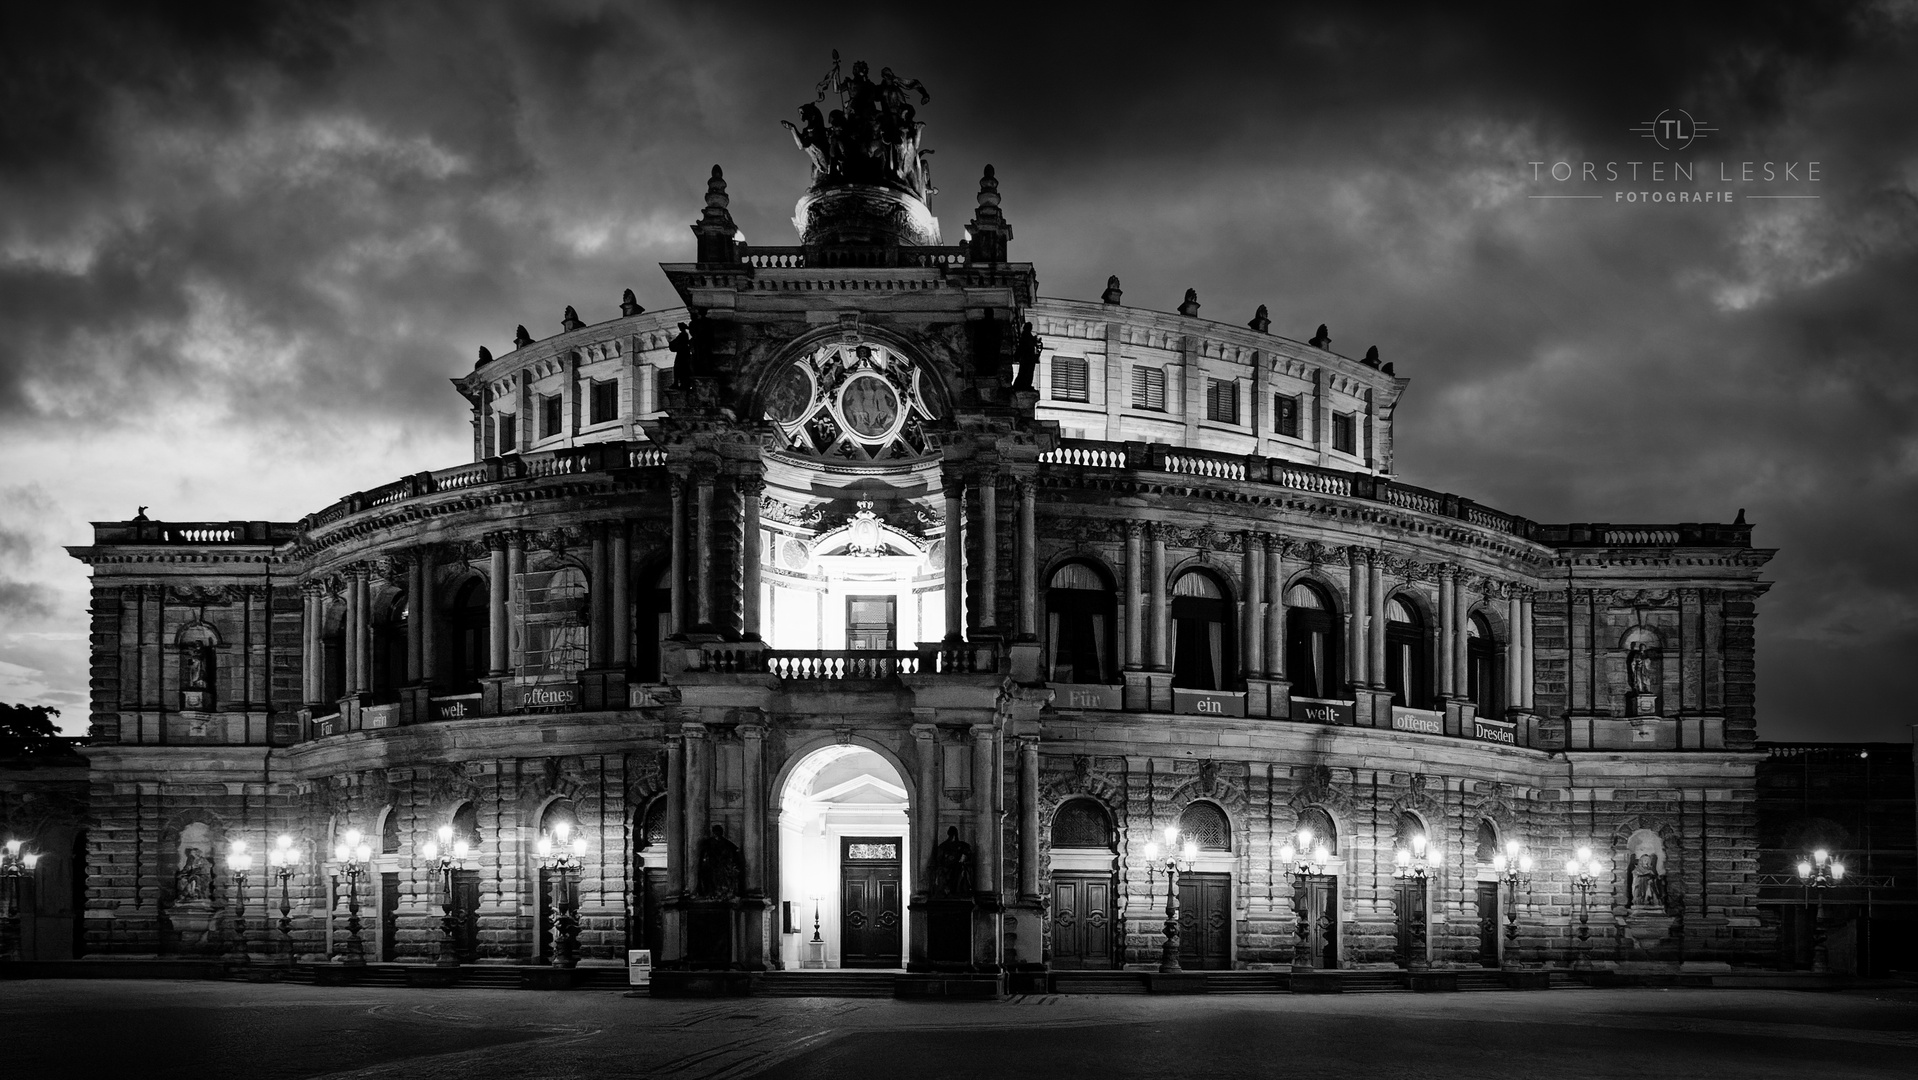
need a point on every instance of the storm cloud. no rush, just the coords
(243, 246)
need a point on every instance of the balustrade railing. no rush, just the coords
(749, 658)
(1199, 463)
(1080, 452)
(841, 663)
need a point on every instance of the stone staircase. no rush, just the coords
(834, 982)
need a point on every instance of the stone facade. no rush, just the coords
(845, 497)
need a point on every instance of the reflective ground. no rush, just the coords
(203, 1030)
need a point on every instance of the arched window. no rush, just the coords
(333, 650)
(653, 619)
(557, 811)
(1082, 823)
(1080, 613)
(390, 832)
(1324, 832)
(1405, 828)
(471, 638)
(466, 825)
(1487, 846)
(554, 603)
(652, 826)
(1481, 666)
(1204, 646)
(389, 646)
(1311, 646)
(1408, 655)
(1205, 824)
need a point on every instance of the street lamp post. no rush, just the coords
(238, 862)
(1411, 867)
(1819, 871)
(352, 853)
(283, 858)
(1176, 860)
(562, 856)
(445, 857)
(1514, 869)
(16, 866)
(1583, 869)
(1306, 861)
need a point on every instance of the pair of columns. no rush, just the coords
(358, 675)
(962, 531)
(689, 778)
(1148, 611)
(696, 509)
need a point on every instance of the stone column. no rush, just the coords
(924, 813)
(596, 598)
(955, 492)
(1527, 671)
(1275, 608)
(312, 610)
(1134, 596)
(428, 607)
(749, 488)
(498, 636)
(675, 814)
(1028, 560)
(1252, 586)
(985, 799)
(1161, 616)
(1448, 598)
(515, 570)
(1029, 818)
(357, 677)
(987, 617)
(703, 553)
(678, 573)
(1375, 630)
(698, 750)
(1514, 649)
(415, 617)
(621, 638)
(1356, 653)
(753, 838)
(1461, 626)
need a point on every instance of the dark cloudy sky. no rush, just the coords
(243, 246)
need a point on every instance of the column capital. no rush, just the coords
(1359, 555)
(751, 732)
(924, 732)
(1028, 744)
(953, 484)
(981, 732)
(692, 729)
(749, 484)
(1134, 528)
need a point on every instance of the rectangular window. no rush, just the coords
(662, 382)
(1345, 433)
(1069, 379)
(1148, 388)
(1222, 401)
(1285, 409)
(548, 415)
(508, 433)
(605, 402)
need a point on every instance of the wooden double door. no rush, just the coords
(1488, 924)
(1082, 919)
(1317, 898)
(1205, 921)
(871, 907)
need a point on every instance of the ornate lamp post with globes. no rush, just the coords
(1514, 869)
(1175, 861)
(1411, 867)
(283, 858)
(1816, 873)
(446, 856)
(1303, 863)
(353, 853)
(561, 856)
(1583, 869)
(238, 862)
(16, 868)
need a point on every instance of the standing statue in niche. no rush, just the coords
(1026, 356)
(682, 350)
(720, 867)
(1641, 669)
(198, 664)
(1647, 884)
(193, 881)
(954, 859)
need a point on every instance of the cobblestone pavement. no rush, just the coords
(207, 1030)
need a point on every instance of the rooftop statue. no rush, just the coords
(871, 138)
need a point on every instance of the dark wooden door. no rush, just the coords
(466, 896)
(1488, 923)
(389, 917)
(1082, 919)
(871, 622)
(652, 920)
(1205, 921)
(1408, 900)
(871, 916)
(1318, 897)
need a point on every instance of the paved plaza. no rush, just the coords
(203, 1030)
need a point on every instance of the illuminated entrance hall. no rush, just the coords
(843, 858)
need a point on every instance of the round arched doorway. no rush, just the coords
(843, 861)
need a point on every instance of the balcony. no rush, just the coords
(841, 665)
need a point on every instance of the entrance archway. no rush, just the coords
(843, 860)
